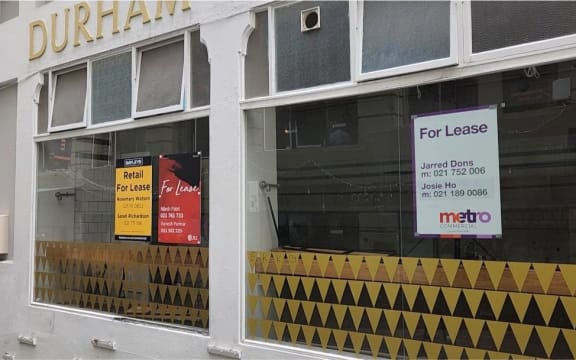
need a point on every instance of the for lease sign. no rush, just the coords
(179, 199)
(456, 174)
(133, 199)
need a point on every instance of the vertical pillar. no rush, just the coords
(225, 41)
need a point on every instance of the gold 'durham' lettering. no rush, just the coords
(38, 34)
(142, 11)
(57, 48)
(38, 24)
(102, 13)
(171, 5)
(80, 23)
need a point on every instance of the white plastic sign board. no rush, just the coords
(456, 174)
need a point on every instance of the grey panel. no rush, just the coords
(111, 88)
(69, 98)
(499, 24)
(8, 10)
(400, 33)
(256, 68)
(43, 108)
(200, 71)
(160, 82)
(8, 114)
(315, 57)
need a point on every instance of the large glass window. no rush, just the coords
(160, 78)
(8, 112)
(99, 196)
(112, 88)
(401, 33)
(335, 258)
(348, 161)
(500, 24)
(69, 99)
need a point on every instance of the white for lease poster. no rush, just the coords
(456, 174)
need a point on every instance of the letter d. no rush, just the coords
(32, 30)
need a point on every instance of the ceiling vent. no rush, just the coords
(310, 19)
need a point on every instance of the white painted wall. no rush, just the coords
(65, 333)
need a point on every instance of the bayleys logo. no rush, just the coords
(465, 217)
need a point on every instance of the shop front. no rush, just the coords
(309, 179)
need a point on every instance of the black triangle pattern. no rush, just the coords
(420, 304)
(421, 332)
(559, 317)
(534, 346)
(486, 341)
(401, 329)
(442, 336)
(508, 312)
(365, 347)
(382, 300)
(347, 322)
(462, 308)
(300, 317)
(315, 318)
(348, 343)
(442, 355)
(315, 293)
(509, 343)
(533, 315)
(382, 328)
(347, 297)
(441, 306)
(422, 353)
(485, 311)
(364, 299)
(300, 292)
(463, 337)
(365, 326)
(400, 303)
(561, 350)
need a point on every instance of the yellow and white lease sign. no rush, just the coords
(133, 200)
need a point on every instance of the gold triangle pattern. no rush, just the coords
(335, 301)
(393, 307)
(151, 282)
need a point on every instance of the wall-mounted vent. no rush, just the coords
(310, 19)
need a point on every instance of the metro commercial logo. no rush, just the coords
(467, 217)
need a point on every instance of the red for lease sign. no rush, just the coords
(179, 199)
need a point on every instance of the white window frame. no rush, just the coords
(167, 109)
(53, 83)
(451, 60)
(106, 56)
(187, 73)
(271, 51)
(44, 85)
(514, 51)
(87, 127)
(188, 63)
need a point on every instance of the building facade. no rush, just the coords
(318, 179)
